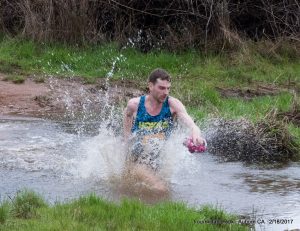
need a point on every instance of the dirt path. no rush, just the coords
(55, 96)
(19, 98)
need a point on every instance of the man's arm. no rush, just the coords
(129, 111)
(183, 116)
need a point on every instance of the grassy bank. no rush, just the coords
(197, 77)
(28, 211)
(199, 80)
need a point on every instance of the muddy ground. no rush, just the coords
(54, 96)
(249, 92)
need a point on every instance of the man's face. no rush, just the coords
(160, 90)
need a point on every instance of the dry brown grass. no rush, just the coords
(172, 24)
(267, 142)
(275, 136)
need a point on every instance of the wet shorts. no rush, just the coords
(147, 154)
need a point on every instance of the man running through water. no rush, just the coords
(148, 121)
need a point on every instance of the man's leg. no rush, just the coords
(144, 174)
(140, 181)
(141, 171)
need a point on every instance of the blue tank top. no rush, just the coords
(159, 125)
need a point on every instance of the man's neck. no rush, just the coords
(153, 106)
(152, 102)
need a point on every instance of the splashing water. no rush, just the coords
(96, 157)
(83, 110)
(84, 151)
(48, 158)
(41, 155)
(103, 156)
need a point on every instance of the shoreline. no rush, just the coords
(49, 98)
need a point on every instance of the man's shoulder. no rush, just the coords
(175, 105)
(134, 102)
(173, 101)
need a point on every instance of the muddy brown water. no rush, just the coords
(51, 158)
(72, 155)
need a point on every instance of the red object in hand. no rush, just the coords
(194, 148)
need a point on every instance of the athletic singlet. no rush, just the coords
(148, 126)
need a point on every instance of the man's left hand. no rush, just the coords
(197, 137)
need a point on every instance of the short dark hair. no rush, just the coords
(159, 74)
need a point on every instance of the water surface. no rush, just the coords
(54, 160)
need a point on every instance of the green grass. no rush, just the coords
(98, 60)
(88, 62)
(195, 76)
(256, 108)
(235, 108)
(26, 203)
(295, 132)
(15, 78)
(94, 213)
(4, 212)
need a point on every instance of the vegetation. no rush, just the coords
(169, 24)
(26, 203)
(196, 76)
(249, 82)
(28, 211)
(15, 78)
